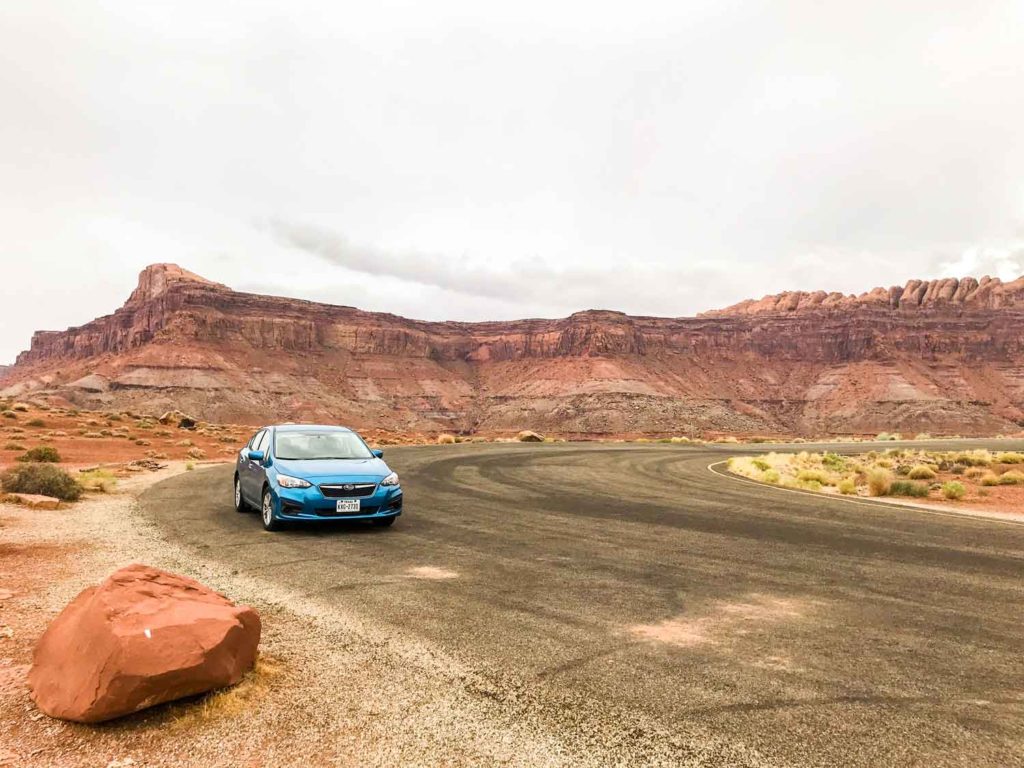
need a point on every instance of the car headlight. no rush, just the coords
(292, 482)
(391, 479)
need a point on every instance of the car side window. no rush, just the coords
(264, 441)
(256, 439)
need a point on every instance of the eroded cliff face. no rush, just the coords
(931, 356)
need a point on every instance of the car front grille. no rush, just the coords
(347, 490)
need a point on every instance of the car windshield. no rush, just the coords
(320, 445)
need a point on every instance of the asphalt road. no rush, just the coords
(631, 579)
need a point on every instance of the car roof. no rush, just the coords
(308, 428)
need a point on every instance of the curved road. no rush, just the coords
(815, 631)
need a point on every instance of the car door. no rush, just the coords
(248, 468)
(259, 468)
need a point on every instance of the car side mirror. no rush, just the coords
(378, 453)
(256, 456)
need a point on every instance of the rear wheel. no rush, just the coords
(387, 522)
(240, 505)
(267, 511)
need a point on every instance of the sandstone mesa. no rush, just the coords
(941, 356)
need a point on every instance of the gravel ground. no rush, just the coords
(330, 689)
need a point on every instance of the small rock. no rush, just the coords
(33, 500)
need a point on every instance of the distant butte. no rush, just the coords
(937, 356)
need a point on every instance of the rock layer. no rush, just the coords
(935, 355)
(142, 637)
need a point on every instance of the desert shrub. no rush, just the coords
(22, 407)
(35, 423)
(9, 414)
(979, 458)
(1012, 477)
(922, 436)
(953, 490)
(761, 464)
(989, 478)
(1010, 458)
(847, 486)
(46, 453)
(814, 476)
(680, 439)
(92, 435)
(13, 447)
(902, 470)
(114, 417)
(196, 453)
(957, 469)
(884, 436)
(100, 480)
(973, 472)
(921, 472)
(446, 439)
(884, 463)
(907, 488)
(879, 481)
(771, 476)
(45, 479)
(189, 466)
(833, 461)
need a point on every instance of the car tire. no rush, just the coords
(387, 522)
(240, 503)
(267, 512)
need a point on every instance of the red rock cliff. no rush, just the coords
(938, 355)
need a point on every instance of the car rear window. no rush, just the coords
(320, 445)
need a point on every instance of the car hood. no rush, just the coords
(319, 469)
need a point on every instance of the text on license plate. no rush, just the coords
(348, 505)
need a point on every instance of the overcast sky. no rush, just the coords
(474, 160)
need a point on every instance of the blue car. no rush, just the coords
(297, 472)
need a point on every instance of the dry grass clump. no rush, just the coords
(1013, 477)
(446, 439)
(98, 480)
(847, 486)
(908, 488)
(235, 701)
(879, 481)
(1010, 458)
(921, 472)
(989, 478)
(953, 490)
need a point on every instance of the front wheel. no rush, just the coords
(267, 512)
(240, 505)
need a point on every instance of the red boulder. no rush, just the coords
(142, 637)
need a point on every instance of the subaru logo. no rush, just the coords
(349, 487)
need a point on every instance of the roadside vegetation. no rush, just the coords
(908, 472)
(42, 479)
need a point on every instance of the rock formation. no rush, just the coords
(142, 637)
(940, 356)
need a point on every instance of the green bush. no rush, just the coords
(907, 488)
(761, 464)
(44, 453)
(954, 490)
(847, 486)
(45, 479)
(921, 472)
(771, 476)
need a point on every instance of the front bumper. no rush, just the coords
(310, 504)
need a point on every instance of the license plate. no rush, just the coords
(348, 505)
